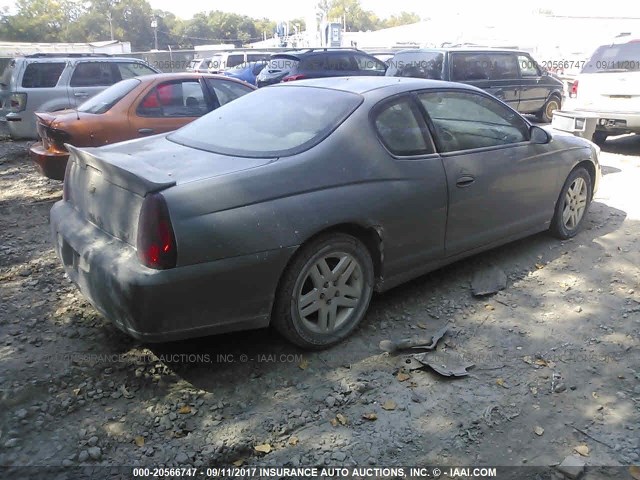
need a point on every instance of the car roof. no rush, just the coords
(463, 50)
(77, 58)
(179, 75)
(364, 84)
(316, 51)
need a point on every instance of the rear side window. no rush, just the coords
(227, 91)
(504, 66)
(400, 129)
(106, 99)
(254, 57)
(467, 67)
(93, 74)
(134, 69)
(622, 58)
(314, 63)
(341, 62)
(233, 60)
(417, 65)
(42, 75)
(297, 118)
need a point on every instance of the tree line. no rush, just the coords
(132, 20)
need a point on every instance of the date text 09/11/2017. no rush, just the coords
(316, 472)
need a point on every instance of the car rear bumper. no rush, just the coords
(51, 163)
(615, 121)
(159, 305)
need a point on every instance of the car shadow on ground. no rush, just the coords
(623, 145)
(233, 357)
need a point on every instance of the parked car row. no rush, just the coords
(133, 108)
(511, 75)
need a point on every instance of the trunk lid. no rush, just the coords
(107, 185)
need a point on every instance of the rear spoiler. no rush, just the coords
(120, 170)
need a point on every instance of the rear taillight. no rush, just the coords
(290, 78)
(574, 89)
(58, 137)
(156, 240)
(17, 102)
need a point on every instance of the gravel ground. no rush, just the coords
(557, 364)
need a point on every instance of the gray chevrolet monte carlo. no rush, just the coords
(292, 204)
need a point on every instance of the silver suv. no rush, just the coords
(48, 82)
(608, 87)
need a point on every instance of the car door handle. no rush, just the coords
(145, 131)
(81, 94)
(465, 181)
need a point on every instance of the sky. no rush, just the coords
(287, 9)
(513, 10)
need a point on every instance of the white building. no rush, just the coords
(12, 49)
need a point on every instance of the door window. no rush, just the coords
(227, 91)
(93, 74)
(174, 99)
(400, 129)
(503, 66)
(467, 67)
(467, 120)
(528, 67)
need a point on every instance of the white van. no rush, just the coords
(222, 61)
(609, 86)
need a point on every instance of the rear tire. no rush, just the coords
(546, 113)
(325, 291)
(572, 205)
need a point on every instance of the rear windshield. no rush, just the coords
(5, 80)
(417, 64)
(42, 75)
(106, 99)
(614, 58)
(271, 122)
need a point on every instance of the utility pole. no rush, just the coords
(110, 20)
(154, 25)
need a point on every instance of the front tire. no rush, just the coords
(325, 292)
(572, 205)
(546, 113)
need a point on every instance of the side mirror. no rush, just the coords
(539, 135)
